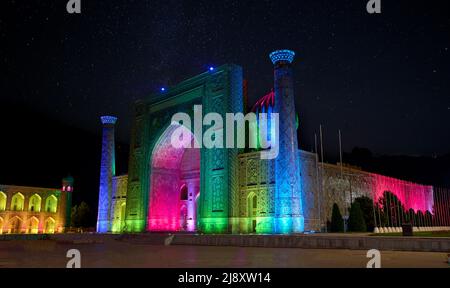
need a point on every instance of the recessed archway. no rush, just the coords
(49, 225)
(17, 202)
(252, 207)
(15, 225)
(122, 215)
(34, 204)
(51, 204)
(33, 225)
(174, 184)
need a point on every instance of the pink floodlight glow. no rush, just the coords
(264, 102)
(415, 196)
(167, 210)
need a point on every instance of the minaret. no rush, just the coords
(107, 171)
(65, 210)
(288, 196)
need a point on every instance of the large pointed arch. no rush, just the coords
(173, 168)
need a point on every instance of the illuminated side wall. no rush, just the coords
(256, 178)
(343, 187)
(412, 195)
(321, 187)
(309, 175)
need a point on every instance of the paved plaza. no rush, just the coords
(113, 253)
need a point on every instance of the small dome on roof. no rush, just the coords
(266, 102)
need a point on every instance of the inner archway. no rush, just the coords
(252, 207)
(17, 202)
(34, 203)
(174, 183)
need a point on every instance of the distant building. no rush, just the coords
(33, 210)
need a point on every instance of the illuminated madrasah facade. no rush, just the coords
(34, 210)
(229, 190)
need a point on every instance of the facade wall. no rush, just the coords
(33, 217)
(238, 191)
(256, 179)
(118, 202)
(322, 185)
(217, 91)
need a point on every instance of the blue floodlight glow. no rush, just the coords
(163, 89)
(282, 55)
(211, 68)
(108, 119)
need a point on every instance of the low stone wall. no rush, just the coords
(15, 237)
(318, 242)
(84, 238)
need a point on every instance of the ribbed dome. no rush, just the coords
(266, 104)
(263, 104)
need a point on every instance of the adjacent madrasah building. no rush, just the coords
(33, 210)
(229, 190)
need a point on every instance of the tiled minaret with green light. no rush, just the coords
(288, 196)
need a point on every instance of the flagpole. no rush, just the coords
(317, 182)
(340, 151)
(321, 156)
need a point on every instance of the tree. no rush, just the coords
(356, 222)
(390, 209)
(80, 215)
(366, 205)
(337, 223)
(412, 217)
(428, 218)
(420, 219)
(83, 214)
(74, 217)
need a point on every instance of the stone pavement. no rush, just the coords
(113, 253)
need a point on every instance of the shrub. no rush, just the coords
(366, 205)
(356, 222)
(337, 223)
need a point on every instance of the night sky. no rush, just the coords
(382, 79)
